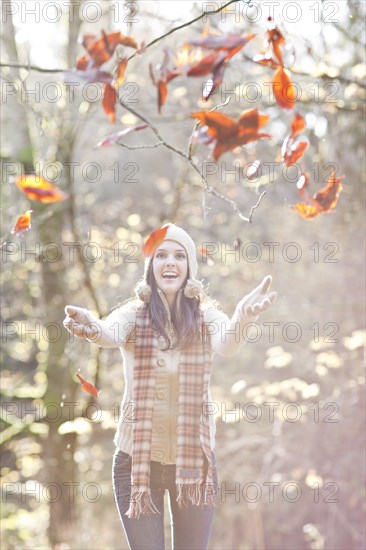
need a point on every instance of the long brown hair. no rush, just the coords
(185, 319)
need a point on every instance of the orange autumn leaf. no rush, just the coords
(307, 211)
(87, 386)
(229, 133)
(23, 224)
(102, 49)
(82, 63)
(166, 74)
(214, 63)
(153, 240)
(206, 65)
(283, 89)
(109, 102)
(327, 197)
(121, 72)
(324, 201)
(162, 93)
(225, 47)
(205, 253)
(38, 189)
(276, 40)
(297, 125)
(292, 152)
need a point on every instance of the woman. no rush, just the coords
(165, 436)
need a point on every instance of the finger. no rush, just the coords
(72, 327)
(67, 322)
(266, 283)
(249, 310)
(79, 330)
(256, 309)
(272, 297)
(71, 311)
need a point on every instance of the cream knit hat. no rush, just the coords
(193, 287)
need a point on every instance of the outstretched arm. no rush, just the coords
(110, 333)
(228, 337)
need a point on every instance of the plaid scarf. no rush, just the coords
(193, 464)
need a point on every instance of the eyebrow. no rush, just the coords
(177, 250)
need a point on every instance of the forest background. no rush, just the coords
(291, 451)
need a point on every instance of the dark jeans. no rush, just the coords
(191, 525)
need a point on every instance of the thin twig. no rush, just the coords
(141, 146)
(182, 26)
(256, 206)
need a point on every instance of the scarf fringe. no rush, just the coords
(197, 494)
(141, 503)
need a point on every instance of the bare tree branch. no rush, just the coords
(208, 188)
(179, 27)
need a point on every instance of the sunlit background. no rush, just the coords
(306, 365)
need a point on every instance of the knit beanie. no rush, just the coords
(193, 287)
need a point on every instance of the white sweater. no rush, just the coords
(117, 330)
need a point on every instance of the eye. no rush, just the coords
(181, 256)
(159, 255)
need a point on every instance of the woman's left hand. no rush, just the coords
(259, 299)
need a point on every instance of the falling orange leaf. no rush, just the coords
(276, 40)
(155, 238)
(102, 49)
(327, 197)
(283, 88)
(229, 133)
(306, 211)
(38, 189)
(207, 65)
(109, 102)
(324, 201)
(82, 63)
(297, 125)
(87, 386)
(202, 250)
(225, 47)
(23, 224)
(121, 72)
(292, 152)
(166, 75)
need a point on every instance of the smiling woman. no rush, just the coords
(165, 438)
(170, 268)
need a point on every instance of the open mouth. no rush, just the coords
(169, 275)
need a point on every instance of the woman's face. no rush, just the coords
(170, 268)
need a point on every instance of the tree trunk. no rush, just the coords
(61, 469)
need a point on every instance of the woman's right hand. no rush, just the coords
(80, 322)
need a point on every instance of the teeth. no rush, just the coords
(170, 275)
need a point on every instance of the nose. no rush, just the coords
(170, 259)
